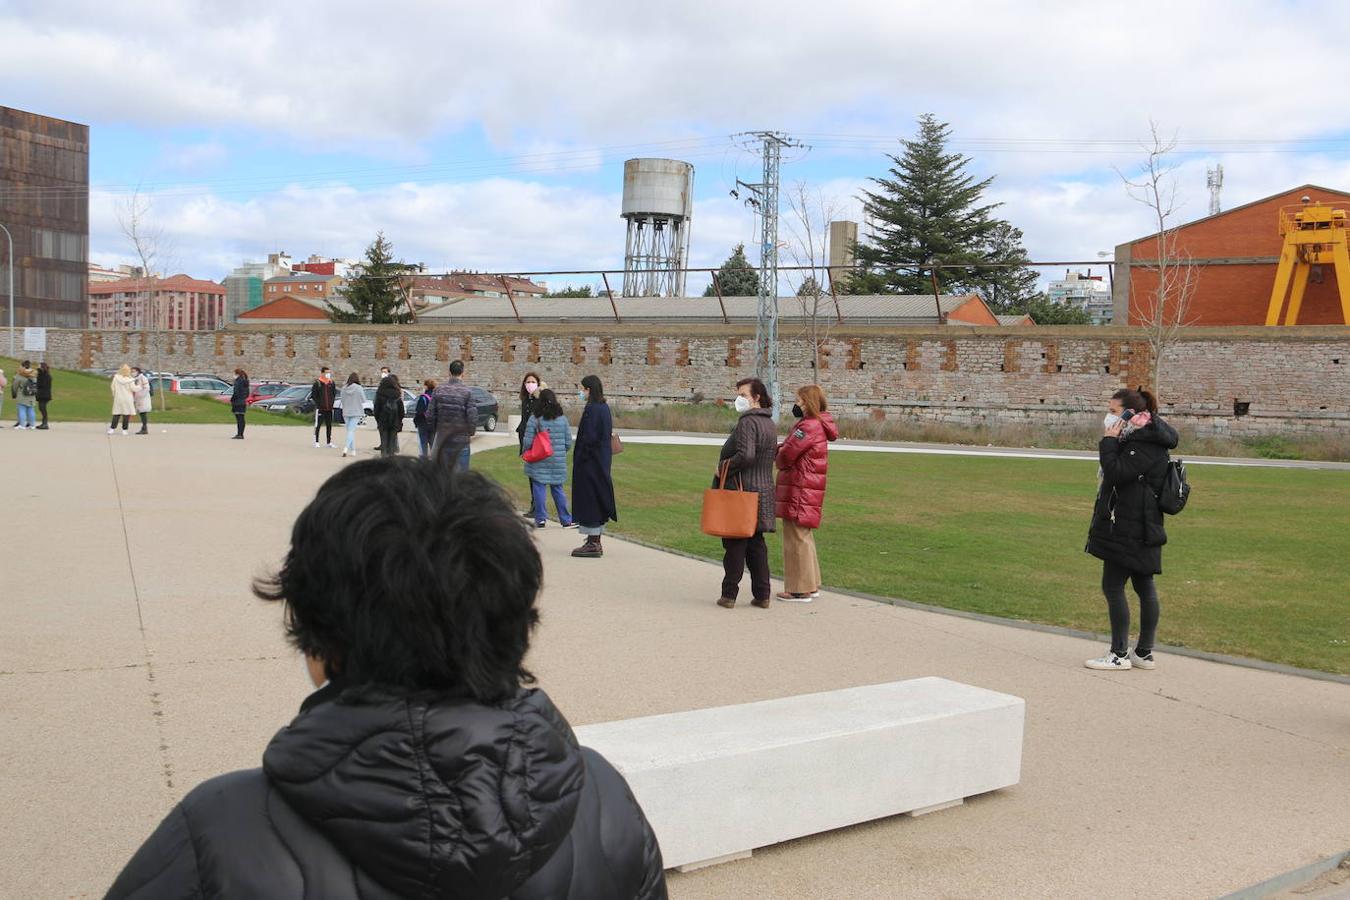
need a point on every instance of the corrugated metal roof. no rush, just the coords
(879, 309)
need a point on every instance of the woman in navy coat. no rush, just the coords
(592, 488)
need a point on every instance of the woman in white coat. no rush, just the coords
(140, 392)
(124, 399)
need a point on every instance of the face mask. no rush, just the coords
(797, 411)
(742, 404)
(581, 395)
(1110, 420)
(531, 387)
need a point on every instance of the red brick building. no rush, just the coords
(176, 303)
(1237, 252)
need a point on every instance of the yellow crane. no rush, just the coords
(1314, 234)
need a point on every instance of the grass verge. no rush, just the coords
(1256, 566)
(80, 397)
(713, 418)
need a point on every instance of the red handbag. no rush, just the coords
(540, 450)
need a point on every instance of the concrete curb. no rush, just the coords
(1291, 879)
(1240, 661)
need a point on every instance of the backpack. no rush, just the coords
(1176, 490)
(29, 388)
(420, 416)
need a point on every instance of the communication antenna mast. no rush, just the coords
(1214, 180)
(764, 200)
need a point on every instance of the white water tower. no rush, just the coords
(658, 203)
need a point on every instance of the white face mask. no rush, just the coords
(1111, 420)
(741, 403)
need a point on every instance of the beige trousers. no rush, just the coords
(801, 570)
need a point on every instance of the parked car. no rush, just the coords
(487, 408)
(288, 399)
(258, 390)
(175, 384)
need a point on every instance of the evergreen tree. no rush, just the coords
(1046, 312)
(1011, 284)
(736, 276)
(373, 292)
(928, 209)
(569, 291)
(810, 288)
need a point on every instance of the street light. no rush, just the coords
(11, 288)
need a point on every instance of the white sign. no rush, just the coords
(35, 340)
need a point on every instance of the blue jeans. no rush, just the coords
(537, 492)
(27, 412)
(351, 426)
(425, 437)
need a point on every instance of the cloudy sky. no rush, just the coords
(492, 136)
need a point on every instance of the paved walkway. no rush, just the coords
(134, 663)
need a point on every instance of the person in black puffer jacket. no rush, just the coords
(423, 766)
(1127, 532)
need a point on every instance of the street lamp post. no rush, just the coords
(10, 270)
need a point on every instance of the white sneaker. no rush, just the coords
(110, 431)
(815, 593)
(785, 597)
(125, 432)
(1109, 663)
(331, 447)
(316, 445)
(1142, 662)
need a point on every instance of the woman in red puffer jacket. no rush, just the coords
(800, 492)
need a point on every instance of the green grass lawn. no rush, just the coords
(79, 397)
(1256, 566)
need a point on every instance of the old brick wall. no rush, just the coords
(1291, 380)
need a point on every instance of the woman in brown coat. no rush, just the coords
(749, 452)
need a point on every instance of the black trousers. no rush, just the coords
(145, 421)
(1113, 586)
(42, 408)
(322, 418)
(741, 554)
(388, 442)
(126, 422)
(239, 423)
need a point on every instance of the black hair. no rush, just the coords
(411, 575)
(592, 384)
(392, 379)
(457, 368)
(1138, 400)
(547, 406)
(757, 389)
(353, 378)
(323, 369)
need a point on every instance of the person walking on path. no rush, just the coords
(800, 494)
(425, 435)
(1127, 532)
(124, 399)
(592, 486)
(530, 386)
(4, 385)
(140, 392)
(324, 394)
(425, 764)
(389, 413)
(749, 452)
(453, 418)
(44, 392)
(549, 474)
(239, 402)
(24, 390)
(353, 403)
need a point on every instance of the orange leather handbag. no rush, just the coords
(728, 512)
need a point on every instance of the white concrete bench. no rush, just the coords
(719, 783)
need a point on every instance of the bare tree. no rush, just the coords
(1165, 310)
(808, 247)
(147, 240)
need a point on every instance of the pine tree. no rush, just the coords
(928, 209)
(810, 287)
(373, 293)
(736, 276)
(1043, 311)
(1010, 284)
(569, 291)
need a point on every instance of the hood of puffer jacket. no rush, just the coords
(432, 796)
(827, 424)
(1156, 432)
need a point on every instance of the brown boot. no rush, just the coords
(762, 604)
(726, 603)
(590, 550)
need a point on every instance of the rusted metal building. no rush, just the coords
(44, 204)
